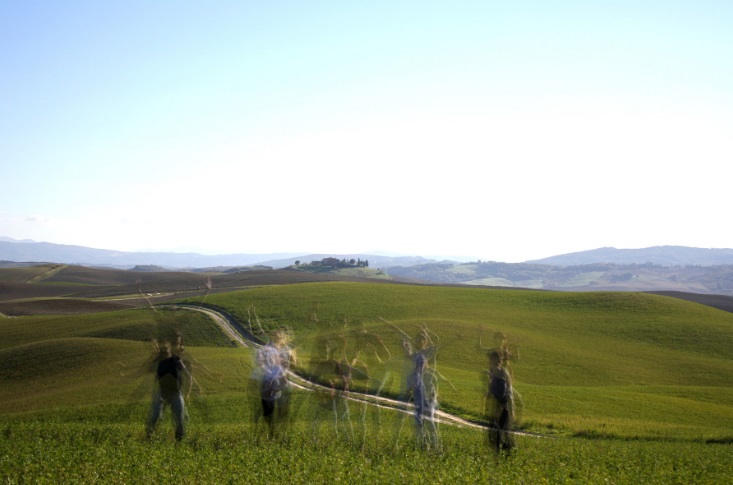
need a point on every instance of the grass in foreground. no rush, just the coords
(110, 447)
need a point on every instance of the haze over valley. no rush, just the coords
(663, 268)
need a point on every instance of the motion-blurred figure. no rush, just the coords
(273, 364)
(169, 384)
(254, 392)
(149, 366)
(287, 358)
(499, 404)
(193, 365)
(273, 381)
(509, 355)
(366, 357)
(419, 384)
(367, 352)
(500, 344)
(422, 385)
(332, 399)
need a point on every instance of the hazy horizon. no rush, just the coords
(295, 254)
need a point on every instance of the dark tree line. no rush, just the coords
(341, 263)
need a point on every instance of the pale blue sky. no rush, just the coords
(497, 130)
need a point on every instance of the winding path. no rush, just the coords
(234, 329)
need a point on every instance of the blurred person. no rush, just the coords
(168, 391)
(422, 385)
(367, 354)
(192, 365)
(500, 344)
(499, 404)
(421, 344)
(255, 383)
(274, 361)
(419, 384)
(332, 395)
(287, 360)
(149, 366)
(509, 354)
(272, 382)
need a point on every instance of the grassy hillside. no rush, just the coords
(63, 289)
(33, 282)
(26, 274)
(586, 359)
(137, 325)
(648, 378)
(45, 361)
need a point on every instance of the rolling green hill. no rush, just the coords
(585, 357)
(648, 378)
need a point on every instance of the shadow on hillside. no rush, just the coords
(721, 302)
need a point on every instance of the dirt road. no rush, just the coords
(237, 331)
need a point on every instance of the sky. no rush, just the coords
(503, 131)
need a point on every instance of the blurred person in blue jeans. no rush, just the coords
(169, 381)
(422, 385)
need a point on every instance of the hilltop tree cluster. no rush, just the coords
(336, 263)
(341, 263)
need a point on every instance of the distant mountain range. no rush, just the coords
(32, 251)
(584, 277)
(661, 255)
(660, 268)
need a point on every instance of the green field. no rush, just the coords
(615, 387)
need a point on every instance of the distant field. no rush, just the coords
(492, 282)
(60, 289)
(83, 282)
(61, 306)
(621, 387)
(24, 274)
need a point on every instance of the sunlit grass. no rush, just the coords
(235, 450)
(139, 325)
(584, 356)
(623, 388)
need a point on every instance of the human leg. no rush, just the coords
(178, 410)
(431, 425)
(156, 408)
(506, 440)
(268, 410)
